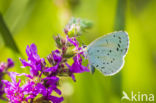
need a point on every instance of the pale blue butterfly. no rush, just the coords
(107, 52)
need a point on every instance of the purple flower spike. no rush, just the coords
(34, 61)
(43, 80)
(3, 68)
(77, 66)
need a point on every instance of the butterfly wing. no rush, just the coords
(107, 52)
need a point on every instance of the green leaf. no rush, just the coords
(6, 35)
(17, 16)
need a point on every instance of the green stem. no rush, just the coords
(6, 35)
(120, 15)
(119, 25)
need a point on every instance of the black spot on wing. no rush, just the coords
(119, 45)
(119, 41)
(97, 65)
(117, 49)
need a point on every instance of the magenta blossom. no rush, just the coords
(77, 66)
(10, 63)
(57, 56)
(3, 68)
(13, 90)
(73, 41)
(44, 77)
(50, 86)
(6, 66)
(35, 63)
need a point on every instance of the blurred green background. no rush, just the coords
(36, 21)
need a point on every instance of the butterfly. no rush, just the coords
(107, 52)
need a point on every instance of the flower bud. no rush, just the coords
(50, 59)
(76, 26)
(54, 57)
(69, 53)
(58, 41)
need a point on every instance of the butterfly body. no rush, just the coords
(107, 52)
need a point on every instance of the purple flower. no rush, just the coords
(77, 66)
(45, 87)
(13, 90)
(73, 41)
(51, 69)
(51, 82)
(16, 93)
(1, 89)
(6, 66)
(46, 92)
(55, 57)
(10, 63)
(50, 86)
(54, 99)
(78, 50)
(3, 68)
(34, 61)
(31, 90)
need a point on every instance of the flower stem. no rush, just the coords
(119, 25)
